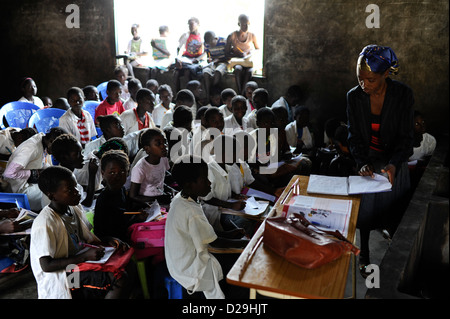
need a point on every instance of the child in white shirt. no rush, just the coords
(29, 90)
(237, 120)
(188, 233)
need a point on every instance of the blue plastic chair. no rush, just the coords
(43, 120)
(17, 114)
(90, 107)
(102, 90)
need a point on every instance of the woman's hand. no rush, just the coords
(366, 170)
(390, 171)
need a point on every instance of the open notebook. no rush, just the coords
(331, 185)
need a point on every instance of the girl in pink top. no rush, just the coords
(147, 176)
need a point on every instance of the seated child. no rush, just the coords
(298, 133)
(227, 95)
(112, 104)
(236, 121)
(91, 93)
(153, 86)
(84, 176)
(184, 97)
(147, 176)
(188, 233)
(67, 150)
(165, 95)
(138, 118)
(48, 103)
(261, 158)
(27, 162)
(121, 75)
(201, 138)
(249, 88)
(281, 121)
(11, 138)
(57, 238)
(424, 143)
(61, 103)
(260, 98)
(76, 121)
(134, 85)
(29, 90)
(109, 217)
(290, 100)
(217, 67)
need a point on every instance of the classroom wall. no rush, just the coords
(313, 43)
(37, 43)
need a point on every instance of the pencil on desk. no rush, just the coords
(132, 213)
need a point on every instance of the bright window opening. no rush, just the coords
(221, 17)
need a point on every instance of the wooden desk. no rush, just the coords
(269, 272)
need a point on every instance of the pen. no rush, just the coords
(89, 245)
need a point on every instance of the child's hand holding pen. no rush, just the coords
(93, 252)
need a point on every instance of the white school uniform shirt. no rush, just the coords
(35, 100)
(426, 147)
(82, 174)
(6, 142)
(232, 126)
(49, 237)
(68, 121)
(129, 104)
(159, 112)
(251, 120)
(291, 135)
(220, 189)
(130, 123)
(239, 175)
(166, 119)
(30, 155)
(225, 111)
(188, 260)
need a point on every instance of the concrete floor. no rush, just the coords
(26, 287)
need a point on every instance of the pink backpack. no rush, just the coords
(147, 239)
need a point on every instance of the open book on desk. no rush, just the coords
(324, 213)
(332, 185)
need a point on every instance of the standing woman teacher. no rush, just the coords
(380, 123)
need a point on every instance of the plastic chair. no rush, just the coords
(102, 90)
(90, 107)
(21, 200)
(17, 114)
(43, 120)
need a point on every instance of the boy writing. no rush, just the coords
(58, 235)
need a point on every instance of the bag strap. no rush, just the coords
(337, 234)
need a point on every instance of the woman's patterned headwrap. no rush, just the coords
(379, 59)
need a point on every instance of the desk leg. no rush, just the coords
(252, 293)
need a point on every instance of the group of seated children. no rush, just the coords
(194, 160)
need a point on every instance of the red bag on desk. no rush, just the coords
(147, 238)
(292, 239)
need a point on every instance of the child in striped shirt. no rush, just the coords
(76, 121)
